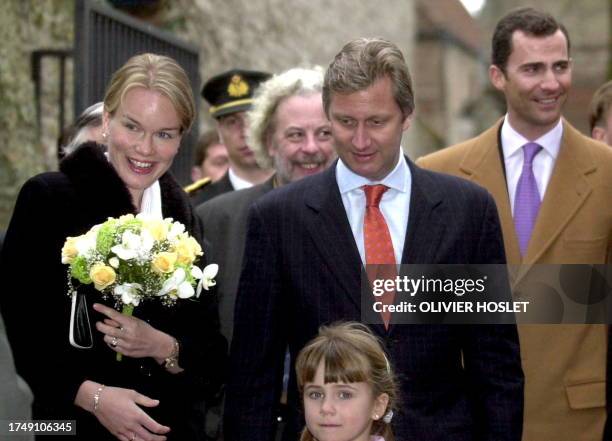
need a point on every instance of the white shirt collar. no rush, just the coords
(237, 182)
(513, 141)
(398, 179)
(151, 203)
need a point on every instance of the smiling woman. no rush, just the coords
(143, 136)
(148, 107)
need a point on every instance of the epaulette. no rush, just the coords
(197, 185)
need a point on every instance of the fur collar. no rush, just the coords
(101, 190)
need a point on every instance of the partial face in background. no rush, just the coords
(341, 411)
(367, 127)
(90, 133)
(95, 134)
(603, 132)
(144, 135)
(536, 82)
(232, 132)
(301, 141)
(214, 165)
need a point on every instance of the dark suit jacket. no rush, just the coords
(302, 269)
(224, 221)
(210, 191)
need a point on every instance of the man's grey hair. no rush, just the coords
(261, 117)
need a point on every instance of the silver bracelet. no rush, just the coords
(96, 398)
(172, 360)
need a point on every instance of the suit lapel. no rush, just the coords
(566, 192)
(483, 165)
(331, 232)
(425, 229)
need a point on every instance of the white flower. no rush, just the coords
(176, 228)
(207, 277)
(134, 246)
(114, 262)
(129, 293)
(86, 244)
(177, 286)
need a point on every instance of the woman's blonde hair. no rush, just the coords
(350, 354)
(154, 72)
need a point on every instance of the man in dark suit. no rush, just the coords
(290, 134)
(305, 254)
(230, 95)
(565, 364)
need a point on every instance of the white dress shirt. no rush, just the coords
(543, 162)
(237, 182)
(394, 205)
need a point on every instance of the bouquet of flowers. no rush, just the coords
(136, 258)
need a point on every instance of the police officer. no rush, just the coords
(230, 95)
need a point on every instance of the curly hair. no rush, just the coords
(296, 81)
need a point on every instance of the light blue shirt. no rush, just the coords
(394, 205)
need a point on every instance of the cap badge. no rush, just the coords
(237, 87)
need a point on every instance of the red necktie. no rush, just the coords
(378, 245)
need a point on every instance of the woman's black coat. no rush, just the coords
(36, 306)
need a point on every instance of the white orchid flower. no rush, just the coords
(185, 290)
(196, 272)
(207, 277)
(134, 246)
(129, 293)
(177, 285)
(176, 228)
(86, 244)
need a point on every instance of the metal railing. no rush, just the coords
(104, 40)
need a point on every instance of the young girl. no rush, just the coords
(347, 385)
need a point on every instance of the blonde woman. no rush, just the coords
(171, 356)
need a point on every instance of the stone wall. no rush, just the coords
(25, 25)
(275, 35)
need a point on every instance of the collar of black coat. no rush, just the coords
(99, 187)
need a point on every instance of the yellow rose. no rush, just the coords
(69, 250)
(102, 276)
(126, 217)
(163, 262)
(187, 249)
(157, 229)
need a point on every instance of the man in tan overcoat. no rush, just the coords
(570, 221)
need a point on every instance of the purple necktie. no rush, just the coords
(527, 198)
